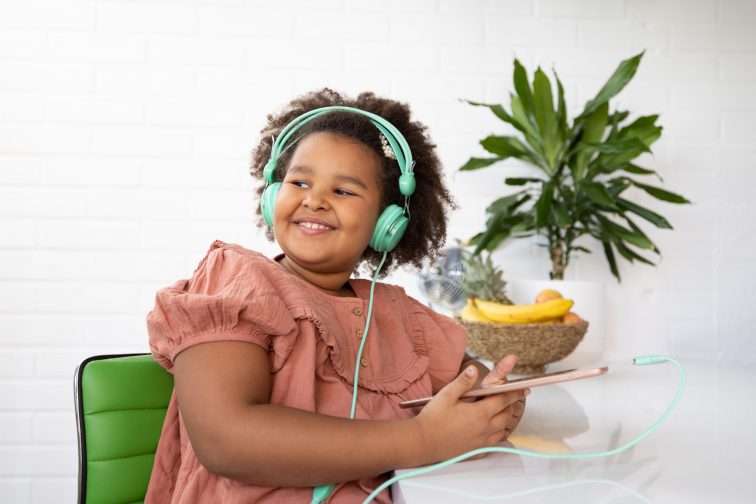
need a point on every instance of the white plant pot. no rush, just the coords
(589, 304)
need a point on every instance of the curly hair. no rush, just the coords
(429, 204)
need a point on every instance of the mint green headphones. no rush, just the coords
(393, 221)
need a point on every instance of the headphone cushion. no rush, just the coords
(268, 202)
(389, 229)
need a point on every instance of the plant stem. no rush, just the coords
(557, 265)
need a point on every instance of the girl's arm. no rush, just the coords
(223, 390)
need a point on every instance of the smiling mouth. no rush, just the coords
(315, 226)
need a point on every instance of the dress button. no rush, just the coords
(357, 311)
(359, 333)
(364, 362)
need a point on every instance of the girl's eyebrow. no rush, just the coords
(306, 170)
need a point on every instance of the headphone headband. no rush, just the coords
(395, 139)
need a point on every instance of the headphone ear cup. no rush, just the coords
(389, 229)
(268, 202)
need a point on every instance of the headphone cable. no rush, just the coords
(321, 492)
(638, 361)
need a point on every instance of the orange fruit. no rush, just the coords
(571, 318)
(547, 295)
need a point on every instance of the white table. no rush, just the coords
(704, 453)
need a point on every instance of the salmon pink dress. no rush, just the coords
(312, 339)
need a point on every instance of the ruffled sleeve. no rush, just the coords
(228, 298)
(440, 338)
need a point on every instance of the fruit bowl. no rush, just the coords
(535, 345)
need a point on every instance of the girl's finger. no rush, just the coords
(461, 384)
(501, 420)
(501, 370)
(518, 408)
(497, 402)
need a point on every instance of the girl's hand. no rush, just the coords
(499, 375)
(451, 426)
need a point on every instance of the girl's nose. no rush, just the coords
(315, 201)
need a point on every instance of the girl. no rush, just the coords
(264, 352)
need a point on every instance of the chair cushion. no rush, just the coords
(123, 404)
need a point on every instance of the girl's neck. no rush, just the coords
(335, 284)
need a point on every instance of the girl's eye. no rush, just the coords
(299, 183)
(342, 192)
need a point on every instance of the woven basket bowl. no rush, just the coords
(535, 345)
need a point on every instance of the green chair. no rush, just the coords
(121, 401)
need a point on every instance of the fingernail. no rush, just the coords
(527, 392)
(470, 370)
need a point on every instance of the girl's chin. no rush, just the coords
(319, 261)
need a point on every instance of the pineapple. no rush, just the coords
(484, 280)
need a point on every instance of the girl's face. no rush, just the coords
(328, 203)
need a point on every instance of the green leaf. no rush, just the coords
(521, 116)
(518, 181)
(510, 202)
(628, 235)
(617, 185)
(582, 249)
(643, 128)
(630, 254)
(618, 116)
(497, 240)
(619, 146)
(545, 116)
(498, 228)
(561, 109)
(616, 153)
(492, 231)
(503, 202)
(501, 113)
(477, 163)
(637, 170)
(641, 123)
(505, 146)
(523, 88)
(645, 213)
(662, 194)
(638, 231)
(593, 131)
(609, 253)
(543, 204)
(595, 124)
(498, 110)
(483, 240)
(619, 79)
(475, 239)
(561, 217)
(597, 193)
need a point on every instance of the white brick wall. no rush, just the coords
(126, 126)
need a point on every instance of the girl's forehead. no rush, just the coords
(333, 149)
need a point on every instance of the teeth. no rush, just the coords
(313, 225)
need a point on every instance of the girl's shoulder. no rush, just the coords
(232, 260)
(231, 268)
(236, 254)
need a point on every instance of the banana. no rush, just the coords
(523, 314)
(471, 314)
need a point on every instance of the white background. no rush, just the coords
(125, 136)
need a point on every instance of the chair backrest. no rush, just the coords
(121, 401)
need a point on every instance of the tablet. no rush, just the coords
(521, 383)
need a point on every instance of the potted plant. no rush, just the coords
(582, 172)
